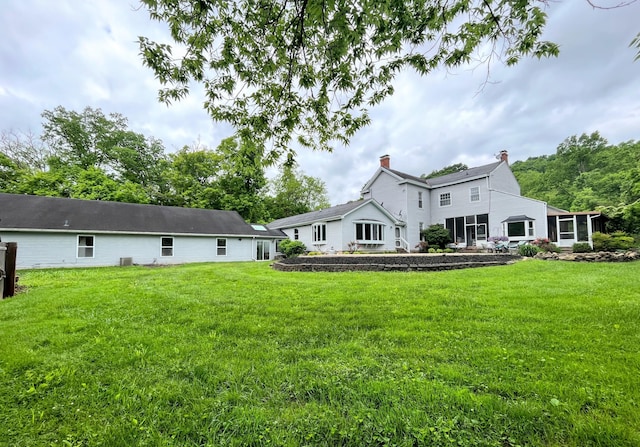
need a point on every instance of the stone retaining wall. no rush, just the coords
(368, 263)
(602, 256)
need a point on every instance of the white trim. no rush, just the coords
(92, 246)
(162, 247)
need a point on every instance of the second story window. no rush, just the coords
(474, 194)
(445, 199)
(419, 199)
(296, 234)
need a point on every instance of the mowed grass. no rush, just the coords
(532, 354)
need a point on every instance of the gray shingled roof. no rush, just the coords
(478, 171)
(54, 213)
(408, 177)
(317, 216)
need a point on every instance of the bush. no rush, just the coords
(291, 249)
(611, 242)
(581, 247)
(544, 244)
(423, 247)
(528, 250)
(436, 235)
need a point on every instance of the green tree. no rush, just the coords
(292, 192)
(10, 174)
(242, 179)
(192, 178)
(309, 69)
(451, 169)
(231, 177)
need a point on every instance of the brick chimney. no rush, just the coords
(384, 161)
(504, 156)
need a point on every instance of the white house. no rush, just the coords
(60, 232)
(473, 205)
(363, 222)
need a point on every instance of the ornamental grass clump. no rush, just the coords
(528, 250)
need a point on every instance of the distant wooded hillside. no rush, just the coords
(587, 173)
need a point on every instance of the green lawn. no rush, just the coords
(535, 353)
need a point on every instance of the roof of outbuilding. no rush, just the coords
(23, 212)
(317, 216)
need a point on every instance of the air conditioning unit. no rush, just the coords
(126, 261)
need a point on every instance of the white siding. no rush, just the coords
(506, 205)
(388, 193)
(413, 215)
(60, 249)
(461, 204)
(502, 179)
(369, 213)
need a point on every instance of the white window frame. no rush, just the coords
(569, 234)
(296, 234)
(86, 247)
(474, 194)
(221, 247)
(166, 248)
(529, 229)
(420, 199)
(445, 199)
(374, 229)
(319, 233)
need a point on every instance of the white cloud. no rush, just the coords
(79, 54)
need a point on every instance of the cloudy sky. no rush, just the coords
(79, 53)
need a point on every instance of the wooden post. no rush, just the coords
(10, 269)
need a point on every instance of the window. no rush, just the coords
(167, 246)
(369, 232)
(445, 199)
(319, 232)
(583, 228)
(296, 234)
(85, 246)
(221, 246)
(474, 194)
(515, 229)
(481, 232)
(566, 229)
(531, 232)
(419, 199)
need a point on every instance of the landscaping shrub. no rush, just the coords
(436, 235)
(544, 244)
(528, 250)
(611, 242)
(291, 249)
(581, 247)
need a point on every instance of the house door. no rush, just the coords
(471, 235)
(263, 250)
